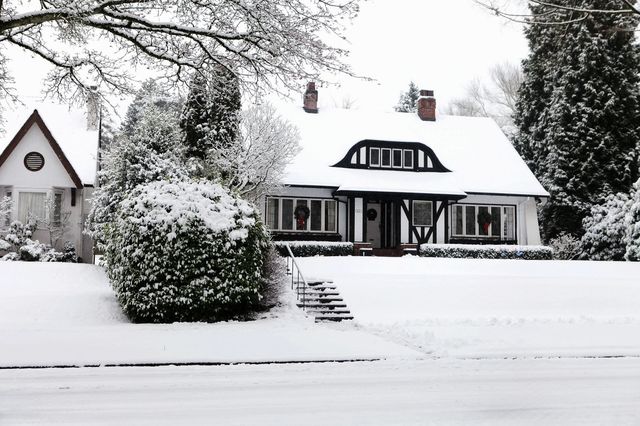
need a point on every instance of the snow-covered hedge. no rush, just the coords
(185, 251)
(17, 245)
(314, 248)
(486, 251)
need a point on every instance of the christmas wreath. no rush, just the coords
(301, 214)
(372, 214)
(484, 220)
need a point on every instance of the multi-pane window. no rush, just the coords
(302, 215)
(387, 157)
(483, 221)
(31, 205)
(422, 213)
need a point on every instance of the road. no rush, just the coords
(439, 392)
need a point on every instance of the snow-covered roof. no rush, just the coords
(479, 155)
(67, 125)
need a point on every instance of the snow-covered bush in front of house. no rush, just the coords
(185, 251)
(314, 248)
(17, 245)
(605, 229)
(565, 247)
(486, 251)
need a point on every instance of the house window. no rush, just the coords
(386, 157)
(56, 214)
(397, 158)
(408, 159)
(374, 157)
(422, 213)
(31, 205)
(6, 205)
(302, 215)
(483, 221)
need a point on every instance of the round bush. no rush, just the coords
(185, 251)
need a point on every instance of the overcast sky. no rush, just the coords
(439, 44)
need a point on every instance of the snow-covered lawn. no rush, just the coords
(431, 392)
(492, 308)
(66, 314)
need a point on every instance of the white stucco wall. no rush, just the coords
(14, 176)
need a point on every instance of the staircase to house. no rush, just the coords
(320, 299)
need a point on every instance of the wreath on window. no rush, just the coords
(484, 220)
(301, 214)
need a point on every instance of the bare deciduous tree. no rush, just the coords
(254, 165)
(266, 44)
(497, 99)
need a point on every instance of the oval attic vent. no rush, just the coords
(34, 161)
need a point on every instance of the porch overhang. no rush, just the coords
(373, 194)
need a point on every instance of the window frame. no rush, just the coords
(382, 165)
(52, 214)
(413, 212)
(393, 158)
(371, 163)
(5, 222)
(295, 201)
(32, 191)
(411, 165)
(503, 221)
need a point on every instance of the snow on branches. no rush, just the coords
(265, 43)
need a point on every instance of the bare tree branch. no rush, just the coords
(268, 44)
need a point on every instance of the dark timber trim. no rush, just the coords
(437, 166)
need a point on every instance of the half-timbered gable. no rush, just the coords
(390, 179)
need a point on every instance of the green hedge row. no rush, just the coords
(461, 251)
(314, 248)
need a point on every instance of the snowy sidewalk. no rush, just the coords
(64, 314)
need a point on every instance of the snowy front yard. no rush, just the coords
(492, 308)
(54, 314)
(409, 308)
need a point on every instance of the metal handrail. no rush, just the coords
(300, 278)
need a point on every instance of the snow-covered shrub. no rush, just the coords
(486, 251)
(314, 248)
(185, 251)
(605, 229)
(19, 245)
(565, 247)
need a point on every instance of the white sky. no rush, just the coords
(439, 44)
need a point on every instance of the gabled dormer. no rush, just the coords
(385, 155)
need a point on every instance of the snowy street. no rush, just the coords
(487, 392)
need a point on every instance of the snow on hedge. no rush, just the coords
(314, 248)
(185, 251)
(488, 251)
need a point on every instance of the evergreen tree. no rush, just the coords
(409, 99)
(632, 237)
(578, 112)
(211, 113)
(149, 150)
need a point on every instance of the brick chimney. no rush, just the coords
(311, 98)
(427, 106)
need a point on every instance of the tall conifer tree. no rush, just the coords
(211, 112)
(578, 112)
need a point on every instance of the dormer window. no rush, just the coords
(407, 156)
(374, 157)
(386, 157)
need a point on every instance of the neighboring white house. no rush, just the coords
(48, 160)
(390, 178)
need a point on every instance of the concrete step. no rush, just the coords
(338, 311)
(313, 298)
(335, 318)
(322, 305)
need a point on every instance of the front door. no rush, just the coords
(374, 224)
